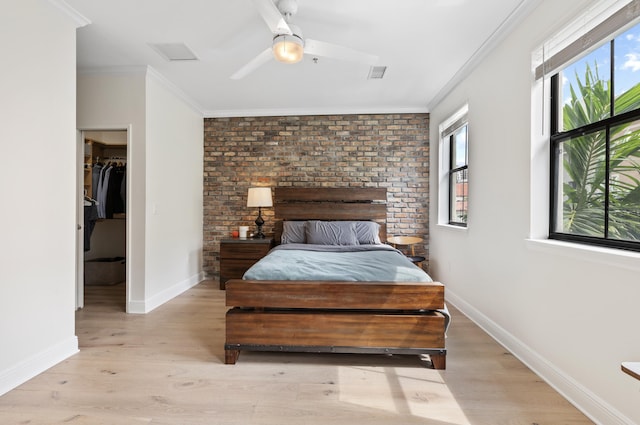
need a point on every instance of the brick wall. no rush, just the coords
(389, 151)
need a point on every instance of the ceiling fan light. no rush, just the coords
(288, 48)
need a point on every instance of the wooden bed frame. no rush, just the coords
(334, 316)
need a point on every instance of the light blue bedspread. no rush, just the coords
(371, 263)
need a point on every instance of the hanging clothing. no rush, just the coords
(113, 200)
(95, 178)
(99, 190)
(90, 217)
(123, 190)
(103, 187)
(109, 188)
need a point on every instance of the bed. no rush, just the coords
(333, 310)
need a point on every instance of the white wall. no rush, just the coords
(117, 101)
(571, 314)
(164, 176)
(37, 185)
(174, 188)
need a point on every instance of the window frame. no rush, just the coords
(558, 137)
(454, 170)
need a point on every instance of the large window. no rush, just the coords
(595, 146)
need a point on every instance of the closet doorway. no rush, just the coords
(102, 259)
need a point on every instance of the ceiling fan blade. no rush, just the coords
(321, 48)
(272, 16)
(254, 64)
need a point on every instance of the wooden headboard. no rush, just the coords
(321, 203)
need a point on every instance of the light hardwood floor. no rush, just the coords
(166, 368)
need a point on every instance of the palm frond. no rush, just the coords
(584, 162)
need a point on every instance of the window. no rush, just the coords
(454, 159)
(458, 176)
(595, 146)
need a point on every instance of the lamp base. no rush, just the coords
(259, 222)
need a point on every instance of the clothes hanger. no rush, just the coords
(89, 201)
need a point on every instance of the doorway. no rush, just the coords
(102, 266)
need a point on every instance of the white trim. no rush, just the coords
(578, 31)
(444, 153)
(230, 113)
(143, 307)
(113, 70)
(581, 397)
(130, 210)
(80, 225)
(135, 307)
(458, 115)
(36, 364)
(175, 90)
(148, 71)
(452, 227)
(618, 258)
(510, 23)
(539, 171)
(79, 19)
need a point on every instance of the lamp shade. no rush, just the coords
(259, 197)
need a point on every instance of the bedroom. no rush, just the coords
(584, 284)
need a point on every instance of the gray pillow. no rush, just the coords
(331, 233)
(368, 232)
(293, 232)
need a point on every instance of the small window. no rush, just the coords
(454, 170)
(458, 176)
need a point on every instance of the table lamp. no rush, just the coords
(259, 197)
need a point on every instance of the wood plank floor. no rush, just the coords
(166, 368)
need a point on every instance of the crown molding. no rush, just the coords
(79, 19)
(518, 14)
(113, 70)
(381, 110)
(171, 87)
(144, 71)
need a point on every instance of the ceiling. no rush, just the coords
(425, 44)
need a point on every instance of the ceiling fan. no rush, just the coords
(289, 45)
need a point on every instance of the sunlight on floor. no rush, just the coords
(389, 389)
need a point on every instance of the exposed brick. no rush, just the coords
(381, 150)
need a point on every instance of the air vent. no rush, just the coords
(376, 72)
(174, 51)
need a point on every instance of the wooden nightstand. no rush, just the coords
(237, 255)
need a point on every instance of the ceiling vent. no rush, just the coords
(174, 52)
(376, 72)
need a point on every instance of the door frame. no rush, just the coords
(80, 210)
(79, 219)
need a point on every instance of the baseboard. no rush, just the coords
(581, 397)
(136, 307)
(153, 302)
(35, 365)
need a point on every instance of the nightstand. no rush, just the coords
(238, 254)
(408, 241)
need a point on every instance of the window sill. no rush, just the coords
(607, 256)
(452, 227)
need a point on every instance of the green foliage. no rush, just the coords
(584, 163)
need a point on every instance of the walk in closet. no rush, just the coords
(105, 206)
